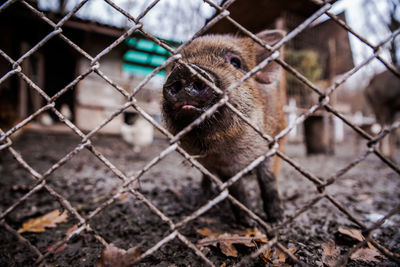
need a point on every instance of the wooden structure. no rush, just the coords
(258, 15)
(327, 39)
(56, 64)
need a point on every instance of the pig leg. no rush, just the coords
(206, 186)
(269, 192)
(237, 190)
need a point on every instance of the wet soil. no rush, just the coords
(368, 190)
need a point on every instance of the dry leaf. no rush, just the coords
(226, 241)
(257, 235)
(112, 257)
(266, 255)
(280, 256)
(123, 197)
(205, 231)
(226, 246)
(223, 264)
(276, 256)
(39, 224)
(371, 246)
(63, 246)
(117, 257)
(366, 254)
(59, 249)
(71, 230)
(331, 253)
(352, 233)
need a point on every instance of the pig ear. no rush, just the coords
(272, 71)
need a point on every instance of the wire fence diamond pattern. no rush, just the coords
(175, 228)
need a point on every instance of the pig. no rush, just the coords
(383, 94)
(224, 143)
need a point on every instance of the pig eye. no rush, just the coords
(236, 62)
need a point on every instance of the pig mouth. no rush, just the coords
(187, 106)
(181, 113)
(184, 111)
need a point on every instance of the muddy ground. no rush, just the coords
(368, 190)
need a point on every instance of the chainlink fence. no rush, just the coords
(175, 232)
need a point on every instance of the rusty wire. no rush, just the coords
(128, 181)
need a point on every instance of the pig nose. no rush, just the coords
(195, 88)
(191, 88)
(174, 88)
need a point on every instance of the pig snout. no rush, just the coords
(186, 94)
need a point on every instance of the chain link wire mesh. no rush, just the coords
(175, 232)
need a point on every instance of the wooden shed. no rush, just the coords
(325, 38)
(56, 64)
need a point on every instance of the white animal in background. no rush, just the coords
(140, 134)
(66, 111)
(45, 119)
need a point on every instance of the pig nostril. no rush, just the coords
(199, 86)
(175, 87)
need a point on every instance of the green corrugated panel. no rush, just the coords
(137, 56)
(131, 41)
(140, 70)
(142, 57)
(160, 50)
(157, 60)
(145, 45)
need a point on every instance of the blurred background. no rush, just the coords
(322, 53)
(323, 145)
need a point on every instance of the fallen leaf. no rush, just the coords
(275, 256)
(348, 237)
(257, 235)
(353, 233)
(123, 197)
(117, 257)
(331, 253)
(266, 255)
(227, 247)
(366, 254)
(39, 224)
(371, 246)
(280, 256)
(226, 241)
(60, 247)
(71, 230)
(112, 256)
(204, 231)
(223, 264)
